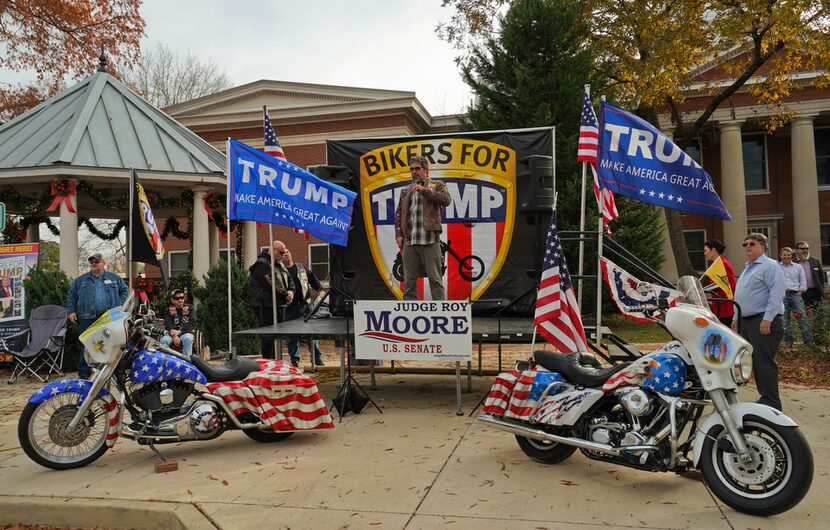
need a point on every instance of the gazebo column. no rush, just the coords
(213, 232)
(201, 251)
(733, 189)
(806, 220)
(33, 233)
(69, 234)
(249, 244)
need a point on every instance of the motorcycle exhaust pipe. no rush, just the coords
(514, 427)
(132, 434)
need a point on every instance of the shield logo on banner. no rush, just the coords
(477, 225)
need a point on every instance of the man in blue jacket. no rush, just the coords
(91, 295)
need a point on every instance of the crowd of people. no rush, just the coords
(770, 295)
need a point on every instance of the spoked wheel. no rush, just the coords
(776, 479)
(42, 431)
(265, 437)
(471, 268)
(545, 452)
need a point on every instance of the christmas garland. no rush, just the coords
(61, 190)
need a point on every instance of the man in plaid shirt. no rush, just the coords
(418, 229)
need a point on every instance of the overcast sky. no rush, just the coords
(362, 43)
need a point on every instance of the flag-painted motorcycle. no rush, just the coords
(170, 398)
(649, 414)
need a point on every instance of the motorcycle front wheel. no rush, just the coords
(45, 439)
(545, 452)
(776, 479)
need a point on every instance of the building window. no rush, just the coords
(178, 263)
(694, 151)
(318, 260)
(223, 253)
(755, 162)
(694, 247)
(822, 137)
(825, 244)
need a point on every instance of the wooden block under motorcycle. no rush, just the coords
(165, 467)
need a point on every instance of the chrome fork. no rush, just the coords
(721, 403)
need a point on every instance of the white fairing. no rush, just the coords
(104, 338)
(567, 407)
(737, 411)
(711, 346)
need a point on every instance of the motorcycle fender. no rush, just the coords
(738, 411)
(566, 408)
(81, 387)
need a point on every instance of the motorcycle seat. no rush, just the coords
(573, 367)
(235, 369)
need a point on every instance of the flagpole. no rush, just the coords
(130, 230)
(228, 223)
(600, 236)
(273, 285)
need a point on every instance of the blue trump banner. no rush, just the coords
(272, 190)
(637, 160)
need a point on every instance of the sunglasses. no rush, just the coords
(95, 261)
(803, 248)
(416, 168)
(749, 244)
(282, 252)
(178, 298)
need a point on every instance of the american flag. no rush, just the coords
(272, 143)
(557, 312)
(280, 395)
(588, 151)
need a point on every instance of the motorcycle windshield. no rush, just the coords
(692, 291)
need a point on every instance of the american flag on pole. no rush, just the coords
(557, 312)
(272, 143)
(588, 151)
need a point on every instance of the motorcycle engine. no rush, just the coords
(635, 400)
(161, 396)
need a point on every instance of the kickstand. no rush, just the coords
(165, 465)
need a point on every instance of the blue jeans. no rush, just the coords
(187, 342)
(293, 312)
(795, 303)
(84, 370)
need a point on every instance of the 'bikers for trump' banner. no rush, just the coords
(639, 161)
(272, 190)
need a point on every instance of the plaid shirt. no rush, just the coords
(418, 235)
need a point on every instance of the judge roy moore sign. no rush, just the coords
(413, 330)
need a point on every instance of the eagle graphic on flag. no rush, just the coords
(623, 288)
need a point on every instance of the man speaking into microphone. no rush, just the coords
(418, 229)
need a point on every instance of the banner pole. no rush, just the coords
(228, 221)
(582, 212)
(273, 286)
(600, 236)
(129, 238)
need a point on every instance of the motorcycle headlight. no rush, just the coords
(742, 366)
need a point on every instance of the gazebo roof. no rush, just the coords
(101, 127)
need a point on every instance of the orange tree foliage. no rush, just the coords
(59, 39)
(654, 50)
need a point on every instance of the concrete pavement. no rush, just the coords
(417, 465)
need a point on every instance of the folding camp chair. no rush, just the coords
(40, 346)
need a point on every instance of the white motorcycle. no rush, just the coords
(649, 414)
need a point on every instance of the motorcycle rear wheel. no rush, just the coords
(264, 437)
(776, 479)
(545, 452)
(42, 433)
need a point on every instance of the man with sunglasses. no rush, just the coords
(418, 229)
(814, 273)
(90, 296)
(180, 323)
(760, 295)
(261, 286)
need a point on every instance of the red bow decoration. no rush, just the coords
(62, 191)
(207, 200)
(142, 286)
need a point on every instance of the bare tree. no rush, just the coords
(166, 77)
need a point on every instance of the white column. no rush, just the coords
(733, 189)
(213, 232)
(33, 233)
(69, 236)
(201, 252)
(669, 267)
(249, 244)
(806, 219)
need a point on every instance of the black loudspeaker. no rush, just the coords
(340, 175)
(534, 177)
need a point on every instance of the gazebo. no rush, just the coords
(71, 156)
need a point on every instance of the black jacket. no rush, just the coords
(260, 282)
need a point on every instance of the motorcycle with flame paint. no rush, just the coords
(650, 414)
(169, 397)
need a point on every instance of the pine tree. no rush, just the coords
(213, 307)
